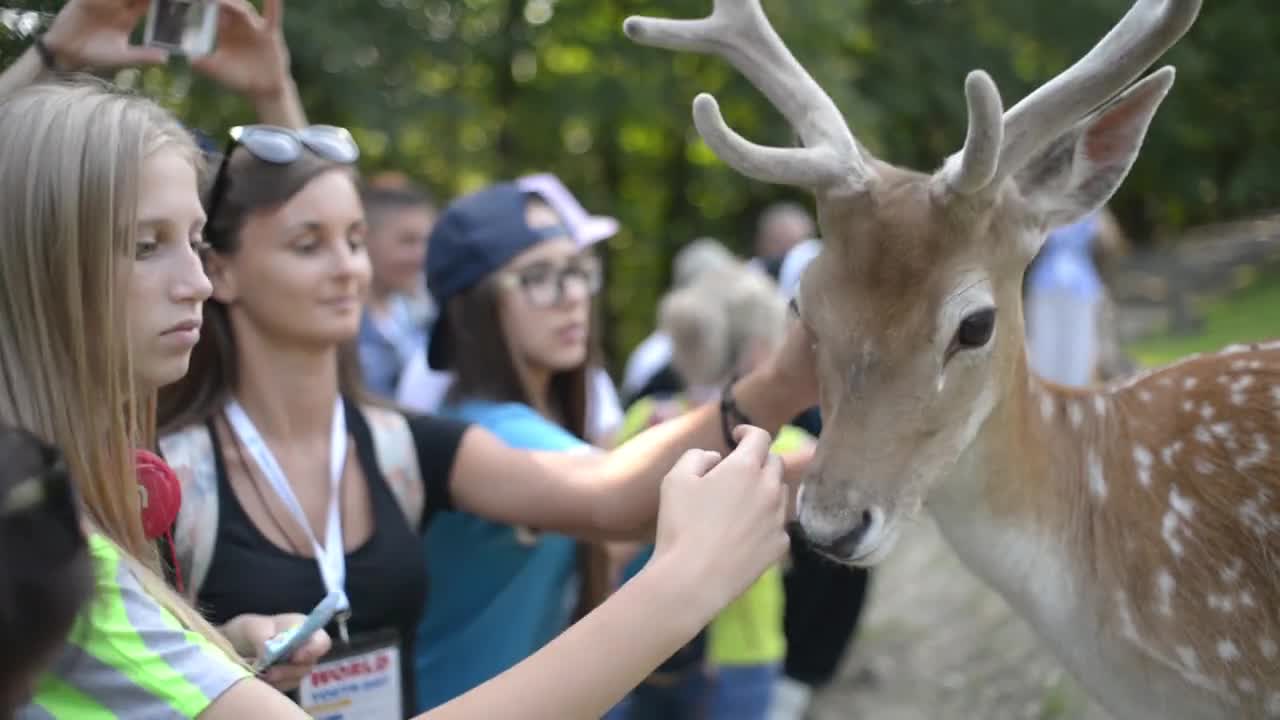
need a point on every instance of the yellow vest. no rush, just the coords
(749, 631)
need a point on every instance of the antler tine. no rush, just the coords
(973, 168)
(739, 32)
(1149, 29)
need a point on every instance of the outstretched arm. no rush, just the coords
(719, 530)
(614, 495)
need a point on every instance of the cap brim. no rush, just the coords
(596, 228)
(437, 344)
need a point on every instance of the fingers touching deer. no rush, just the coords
(1137, 526)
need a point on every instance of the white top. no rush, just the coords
(423, 390)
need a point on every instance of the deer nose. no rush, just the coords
(848, 546)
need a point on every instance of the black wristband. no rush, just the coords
(46, 55)
(729, 407)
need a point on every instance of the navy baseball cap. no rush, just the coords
(474, 237)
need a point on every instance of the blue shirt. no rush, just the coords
(387, 343)
(495, 596)
(1065, 262)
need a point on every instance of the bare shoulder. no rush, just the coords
(397, 456)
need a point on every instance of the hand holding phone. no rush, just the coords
(188, 27)
(282, 646)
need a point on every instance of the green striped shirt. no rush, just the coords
(127, 657)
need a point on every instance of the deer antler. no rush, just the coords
(975, 166)
(1149, 29)
(739, 32)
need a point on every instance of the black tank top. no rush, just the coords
(386, 575)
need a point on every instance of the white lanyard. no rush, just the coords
(331, 557)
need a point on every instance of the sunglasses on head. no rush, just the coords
(281, 146)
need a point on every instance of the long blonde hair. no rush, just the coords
(70, 160)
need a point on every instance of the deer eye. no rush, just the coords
(975, 330)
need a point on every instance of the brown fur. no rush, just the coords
(1214, 604)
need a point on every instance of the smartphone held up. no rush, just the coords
(188, 27)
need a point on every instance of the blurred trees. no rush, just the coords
(461, 92)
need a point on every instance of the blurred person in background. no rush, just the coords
(1072, 335)
(648, 368)
(781, 227)
(721, 324)
(399, 310)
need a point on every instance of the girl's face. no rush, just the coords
(545, 299)
(165, 280)
(301, 271)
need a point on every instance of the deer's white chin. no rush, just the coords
(877, 553)
(873, 550)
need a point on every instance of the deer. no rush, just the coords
(1134, 525)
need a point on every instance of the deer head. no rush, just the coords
(915, 303)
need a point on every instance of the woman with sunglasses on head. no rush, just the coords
(515, 289)
(277, 444)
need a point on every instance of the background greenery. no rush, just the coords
(457, 93)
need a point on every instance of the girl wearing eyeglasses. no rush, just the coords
(515, 289)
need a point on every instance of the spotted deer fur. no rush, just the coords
(1136, 526)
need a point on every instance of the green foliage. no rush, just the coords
(1247, 315)
(458, 93)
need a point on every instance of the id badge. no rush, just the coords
(360, 681)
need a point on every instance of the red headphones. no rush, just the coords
(160, 491)
(161, 498)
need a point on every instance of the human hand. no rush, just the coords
(724, 520)
(249, 635)
(252, 57)
(95, 33)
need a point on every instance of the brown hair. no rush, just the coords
(381, 194)
(250, 186)
(485, 368)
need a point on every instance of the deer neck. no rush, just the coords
(1025, 507)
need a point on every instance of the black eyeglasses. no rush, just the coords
(281, 146)
(544, 283)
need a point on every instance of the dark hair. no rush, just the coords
(46, 574)
(381, 195)
(485, 367)
(251, 186)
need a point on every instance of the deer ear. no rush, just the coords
(1080, 171)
